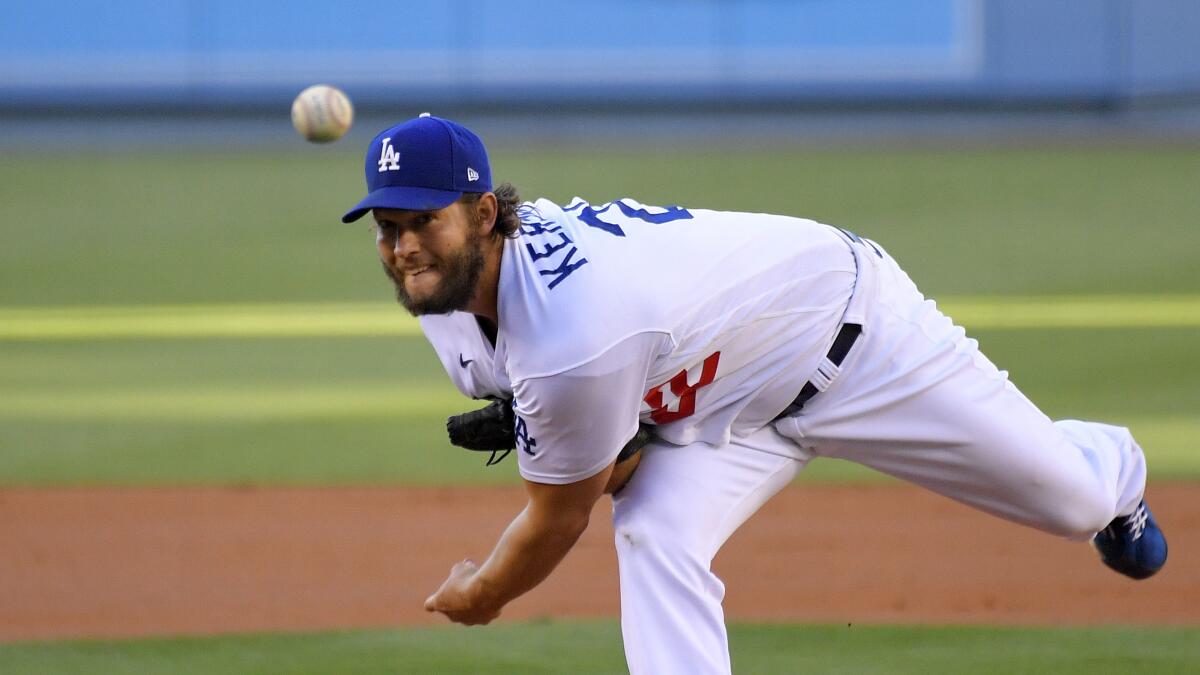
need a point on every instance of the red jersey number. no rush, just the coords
(684, 393)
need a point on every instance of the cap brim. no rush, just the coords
(410, 198)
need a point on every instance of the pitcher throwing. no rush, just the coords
(752, 342)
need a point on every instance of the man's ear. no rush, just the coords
(486, 210)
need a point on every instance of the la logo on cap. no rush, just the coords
(422, 164)
(389, 159)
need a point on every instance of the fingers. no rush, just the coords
(448, 595)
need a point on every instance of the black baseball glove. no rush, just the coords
(491, 429)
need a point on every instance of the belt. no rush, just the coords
(845, 339)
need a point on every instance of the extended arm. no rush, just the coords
(566, 424)
(532, 546)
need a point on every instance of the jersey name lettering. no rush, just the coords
(684, 393)
(546, 241)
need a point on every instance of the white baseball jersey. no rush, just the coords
(466, 354)
(701, 322)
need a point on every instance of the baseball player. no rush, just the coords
(752, 343)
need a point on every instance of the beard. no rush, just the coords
(460, 274)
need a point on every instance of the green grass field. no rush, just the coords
(226, 226)
(370, 409)
(317, 392)
(319, 399)
(594, 648)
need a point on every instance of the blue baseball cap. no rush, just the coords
(423, 164)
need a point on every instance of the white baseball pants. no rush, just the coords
(914, 399)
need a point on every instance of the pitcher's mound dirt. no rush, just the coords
(129, 562)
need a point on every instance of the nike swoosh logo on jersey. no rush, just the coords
(464, 362)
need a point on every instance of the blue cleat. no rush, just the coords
(1133, 545)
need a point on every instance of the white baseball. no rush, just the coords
(322, 113)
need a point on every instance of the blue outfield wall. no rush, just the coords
(227, 52)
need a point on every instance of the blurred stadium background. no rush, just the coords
(179, 304)
(550, 68)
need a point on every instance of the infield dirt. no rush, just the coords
(134, 562)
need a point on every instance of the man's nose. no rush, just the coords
(406, 244)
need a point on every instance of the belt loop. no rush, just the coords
(827, 371)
